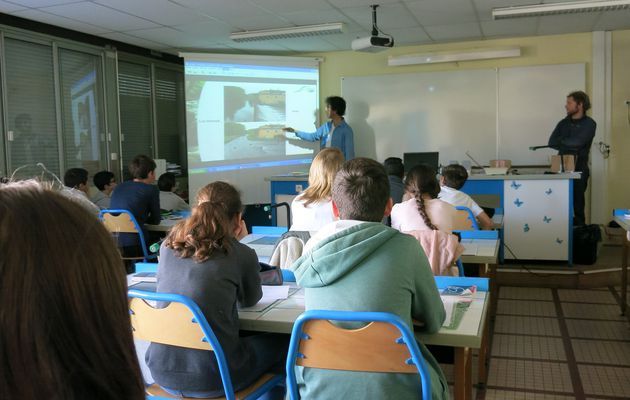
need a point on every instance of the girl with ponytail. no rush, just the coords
(202, 258)
(422, 210)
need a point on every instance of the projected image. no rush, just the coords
(244, 120)
(84, 120)
(264, 105)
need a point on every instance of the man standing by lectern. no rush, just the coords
(574, 135)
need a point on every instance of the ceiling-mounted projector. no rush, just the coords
(375, 42)
(372, 44)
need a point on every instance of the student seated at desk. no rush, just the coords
(168, 199)
(105, 182)
(421, 209)
(453, 178)
(359, 264)
(140, 197)
(64, 321)
(312, 208)
(76, 189)
(202, 258)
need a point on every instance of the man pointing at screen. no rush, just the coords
(334, 133)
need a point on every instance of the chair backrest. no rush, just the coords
(122, 221)
(385, 344)
(181, 323)
(465, 220)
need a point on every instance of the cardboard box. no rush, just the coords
(569, 163)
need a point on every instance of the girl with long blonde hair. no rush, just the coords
(312, 209)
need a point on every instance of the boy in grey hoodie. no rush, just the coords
(359, 264)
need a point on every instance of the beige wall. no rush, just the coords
(541, 50)
(619, 161)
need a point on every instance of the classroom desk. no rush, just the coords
(625, 224)
(165, 225)
(538, 212)
(470, 334)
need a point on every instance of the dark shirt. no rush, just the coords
(216, 285)
(574, 136)
(142, 200)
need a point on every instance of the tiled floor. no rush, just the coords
(556, 344)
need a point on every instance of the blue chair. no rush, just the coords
(460, 267)
(465, 220)
(182, 324)
(386, 344)
(123, 221)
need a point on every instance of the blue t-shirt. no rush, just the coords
(342, 137)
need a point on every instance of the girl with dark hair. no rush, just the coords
(64, 320)
(201, 258)
(422, 210)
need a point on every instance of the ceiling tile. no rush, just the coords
(409, 36)
(217, 29)
(101, 16)
(160, 11)
(125, 38)
(356, 3)
(266, 21)
(62, 22)
(321, 17)
(484, 7)
(171, 37)
(6, 7)
(443, 12)
(511, 27)
(467, 31)
(43, 3)
(288, 6)
(389, 16)
(224, 10)
(553, 24)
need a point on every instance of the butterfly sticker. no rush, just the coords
(559, 241)
(526, 228)
(518, 202)
(548, 191)
(547, 219)
(515, 185)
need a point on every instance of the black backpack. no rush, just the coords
(585, 239)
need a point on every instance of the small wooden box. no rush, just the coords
(569, 163)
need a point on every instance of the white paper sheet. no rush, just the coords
(271, 294)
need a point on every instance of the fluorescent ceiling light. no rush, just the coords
(284, 33)
(570, 7)
(451, 56)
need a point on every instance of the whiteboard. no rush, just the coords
(531, 103)
(491, 113)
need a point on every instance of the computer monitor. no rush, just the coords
(429, 158)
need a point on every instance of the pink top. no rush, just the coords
(406, 217)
